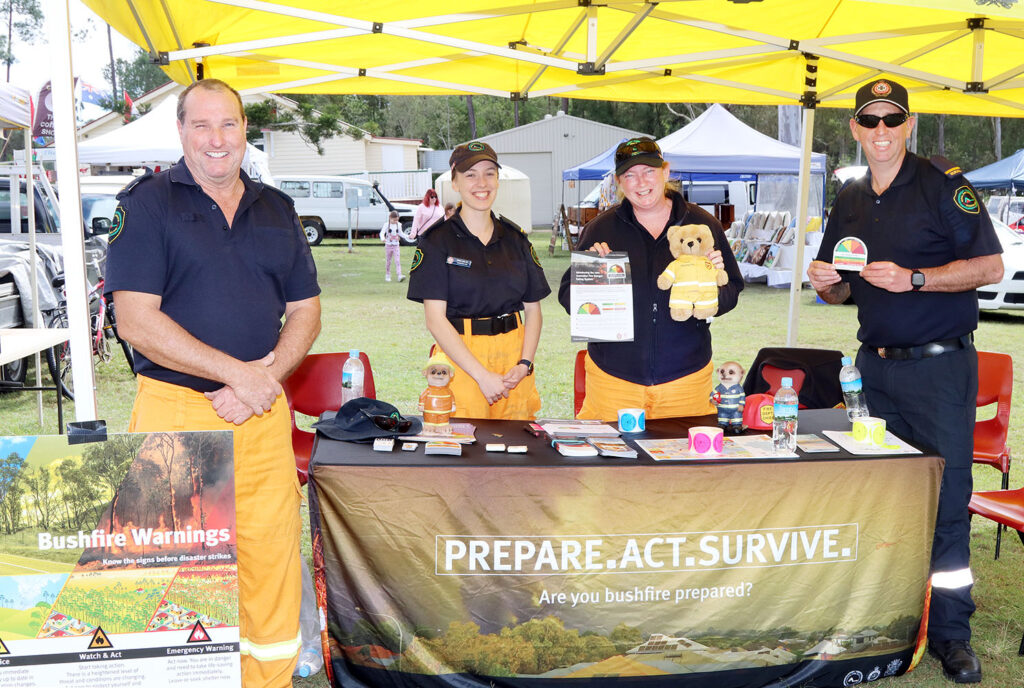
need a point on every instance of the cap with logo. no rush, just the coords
(881, 91)
(466, 155)
(642, 150)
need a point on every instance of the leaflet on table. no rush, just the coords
(893, 444)
(574, 448)
(600, 297)
(566, 429)
(740, 447)
(813, 444)
(463, 433)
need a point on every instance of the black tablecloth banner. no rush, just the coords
(811, 573)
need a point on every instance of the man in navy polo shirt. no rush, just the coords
(929, 245)
(203, 265)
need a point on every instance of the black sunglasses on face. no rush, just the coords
(389, 423)
(891, 121)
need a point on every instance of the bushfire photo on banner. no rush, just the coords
(741, 575)
(117, 561)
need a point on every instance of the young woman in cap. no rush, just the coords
(474, 272)
(666, 370)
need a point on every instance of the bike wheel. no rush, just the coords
(58, 358)
(111, 329)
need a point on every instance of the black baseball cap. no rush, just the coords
(881, 91)
(468, 154)
(639, 151)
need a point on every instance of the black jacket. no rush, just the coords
(662, 349)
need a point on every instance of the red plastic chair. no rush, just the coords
(995, 386)
(773, 376)
(313, 388)
(579, 381)
(1006, 508)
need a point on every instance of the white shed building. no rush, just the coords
(542, 149)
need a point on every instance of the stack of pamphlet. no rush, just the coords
(614, 447)
(576, 429)
(574, 448)
(462, 432)
(446, 447)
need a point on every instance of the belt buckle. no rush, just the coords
(881, 352)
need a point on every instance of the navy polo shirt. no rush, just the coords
(227, 286)
(451, 264)
(925, 219)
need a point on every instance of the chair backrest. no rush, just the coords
(818, 368)
(579, 380)
(995, 386)
(315, 386)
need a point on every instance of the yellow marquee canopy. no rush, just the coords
(955, 56)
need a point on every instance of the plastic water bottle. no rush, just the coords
(351, 378)
(311, 658)
(853, 390)
(785, 411)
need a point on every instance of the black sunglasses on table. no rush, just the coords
(891, 121)
(391, 423)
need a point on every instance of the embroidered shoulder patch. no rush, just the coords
(417, 258)
(533, 254)
(117, 224)
(966, 200)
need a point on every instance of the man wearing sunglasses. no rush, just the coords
(929, 245)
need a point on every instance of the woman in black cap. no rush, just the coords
(666, 370)
(474, 272)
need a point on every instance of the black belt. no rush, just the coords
(499, 324)
(928, 350)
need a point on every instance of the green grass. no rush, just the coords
(361, 310)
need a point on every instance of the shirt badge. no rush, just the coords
(117, 225)
(459, 262)
(533, 254)
(966, 200)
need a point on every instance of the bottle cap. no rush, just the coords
(847, 361)
(788, 381)
(353, 353)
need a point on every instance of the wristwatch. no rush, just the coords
(528, 364)
(916, 279)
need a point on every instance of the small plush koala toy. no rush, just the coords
(694, 281)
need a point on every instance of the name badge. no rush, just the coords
(460, 262)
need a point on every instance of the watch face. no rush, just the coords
(917, 279)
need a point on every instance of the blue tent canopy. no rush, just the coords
(715, 145)
(1002, 174)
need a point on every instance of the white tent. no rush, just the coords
(512, 201)
(718, 142)
(14, 107)
(153, 140)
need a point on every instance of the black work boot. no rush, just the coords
(958, 660)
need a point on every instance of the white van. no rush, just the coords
(322, 208)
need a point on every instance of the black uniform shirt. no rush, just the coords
(477, 281)
(926, 218)
(226, 286)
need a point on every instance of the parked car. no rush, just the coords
(1009, 293)
(323, 204)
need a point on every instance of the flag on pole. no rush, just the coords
(130, 111)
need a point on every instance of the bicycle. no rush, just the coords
(102, 328)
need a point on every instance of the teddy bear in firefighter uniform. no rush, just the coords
(694, 281)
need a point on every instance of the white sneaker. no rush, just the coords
(387, 278)
(401, 278)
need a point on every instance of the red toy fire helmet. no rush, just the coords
(758, 412)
